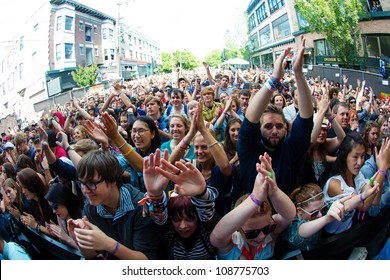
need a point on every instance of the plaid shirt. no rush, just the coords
(208, 113)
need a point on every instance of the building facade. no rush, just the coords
(275, 25)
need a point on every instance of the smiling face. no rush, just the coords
(202, 152)
(342, 116)
(322, 136)
(355, 159)
(141, 135)
(78, 135)
(176, 100)
(373, 135)
(233, 132)
(177, 128)
(59, 210)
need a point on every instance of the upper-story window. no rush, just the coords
(68, 51)
(261, 13)
(59, 23)
(104, 33)
(281, 27)
(58, 52)
(112, 53)
(68, 23)
(111, 34)
(275, 5)
(88, 33)
(265, 35)
(81, 26)
(95, 29)
(251, 22)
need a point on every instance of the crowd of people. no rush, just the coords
(213, 164)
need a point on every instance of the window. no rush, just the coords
(281, 27)
(81, 49)
(20, 71)
(35, 28)
(81, 26)
(136, 55)
(122, 52)
(95, 29)
(111, 34)
(68, 23)
(58, 52)
(265, 35)
(275, 5)
(323, 48)
(135, 41)
(96, 51)
(88, 33)
(68, 51)
(131, 54)
(59, 23)
(302, 23)
(261, 13)
(129, 38)
(104, 33)
(251, 22)
(254, 41)
(21, 43)
(377, 46)
(112, 53)
(139, 41)
(105, 54)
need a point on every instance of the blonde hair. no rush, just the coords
(303, 195)
(85, 145)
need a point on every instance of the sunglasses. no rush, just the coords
(250, 234)
(54, 206)
(314, 214)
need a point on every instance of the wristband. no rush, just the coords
(255, 201)
(269, 85)
(113, 252)
(212, 144)
(128, 152)
(202, 193)
(382, 172)
(185, 143)
(68, 148)
(38, 227)
(331, 118)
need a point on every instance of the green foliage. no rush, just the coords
(214, 58)
(338, 21)
(85, 76)
(188, 60)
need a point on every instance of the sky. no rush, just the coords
(197, 26)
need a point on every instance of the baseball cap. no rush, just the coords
(6, 138)
(8, 145)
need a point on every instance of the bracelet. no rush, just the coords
(202, 193)
(121, 146)
(128, 152)
(113, 252)
(382, 172)
(184, 141)
(68, 148)
(269, 86)
(38, 227)
(212, 145)
(361, 198)
(255, 201)
(331, 118)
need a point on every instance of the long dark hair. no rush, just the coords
(228, 145)
(9, 170)
(60, 194)
(156, 142)
(30, 180)
(351, 140)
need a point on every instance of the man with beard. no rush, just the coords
(270, 134)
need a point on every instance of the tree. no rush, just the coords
(338, 21)
(214, 58)
(85, 76)
(188, 60)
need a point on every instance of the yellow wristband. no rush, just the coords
(128, 152)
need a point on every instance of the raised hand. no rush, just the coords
(64, 143)
(266, 170)
(155, 182)
(42, 133)
(337, 209)
(96, 132)
(298, 57)
(110, 127)
(280, 64)
(187, 178)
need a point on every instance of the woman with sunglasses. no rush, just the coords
(65, 206)
(250, 230)
(312, 215)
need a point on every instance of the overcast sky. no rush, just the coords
(197, 26)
